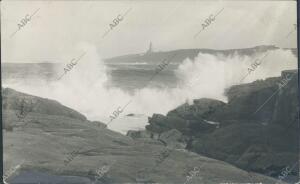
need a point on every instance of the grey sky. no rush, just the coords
(58, 27)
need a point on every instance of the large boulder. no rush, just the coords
(200, 109)
(159, 123)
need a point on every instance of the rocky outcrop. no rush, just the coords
(257, 129)
(201, 108)
(63, 147)
(14, 100)
(190, 120)
(160, 123)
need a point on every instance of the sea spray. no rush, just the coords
(86, 88)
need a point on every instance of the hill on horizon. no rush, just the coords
(181, 54)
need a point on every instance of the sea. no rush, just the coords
(97, 88)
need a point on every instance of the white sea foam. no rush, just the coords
(85, 87)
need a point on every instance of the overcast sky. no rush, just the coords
(57, 28)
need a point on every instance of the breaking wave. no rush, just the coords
(86, 88)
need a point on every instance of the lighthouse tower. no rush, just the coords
(149, 49)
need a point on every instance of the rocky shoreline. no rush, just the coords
(53, 141)
(257, 130)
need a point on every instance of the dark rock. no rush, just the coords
(159, 123)
(190, 126)
(202, 108)
(256, 130)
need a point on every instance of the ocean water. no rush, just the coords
(127, 77)
(97, 89)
